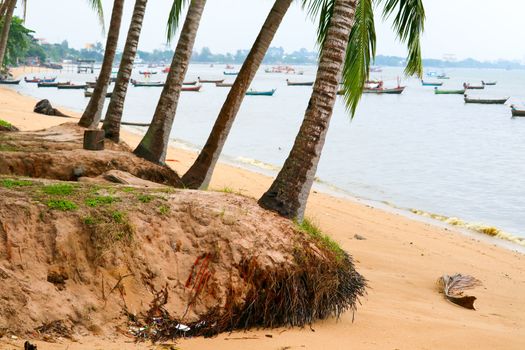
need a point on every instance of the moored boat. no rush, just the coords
(53, 84)
(431, 83)
(70, 86)
(10, 82)
(89, 93)
(210, 81)
(190, 82)
(230, 73)
(223, 84)
(299, 83)
(517, 112)
(379, 90)
(192, 88)
(438, 91)
(260, 93)
(147, 83)
(468, 86)
(166, 70)
(442, 76)
(489, 83)
(34, 80)
(147, 72)
(490, 101)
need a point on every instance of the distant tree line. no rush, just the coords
(22, 45)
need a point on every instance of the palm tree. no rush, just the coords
(9, 9)
(93, 112)
(154, 144)
(199, 175)
(116, 105)
(343, 46)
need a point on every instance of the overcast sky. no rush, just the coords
(482, 29)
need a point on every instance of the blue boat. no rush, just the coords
(260, 93)
(49, 80)
(230, 73)
(430, 83)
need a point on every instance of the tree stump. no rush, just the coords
(94, 140)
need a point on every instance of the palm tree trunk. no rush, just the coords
(5, 29)
(199, 175)
(288, 193)
(154, 144)
(92, 114)
(116, 105)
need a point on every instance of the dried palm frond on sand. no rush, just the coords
(454, 286)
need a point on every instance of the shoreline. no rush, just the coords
(480, 230)
(401, 258)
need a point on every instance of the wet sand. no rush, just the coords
(401, 258)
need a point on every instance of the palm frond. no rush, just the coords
(360, 52)
(97, 7)
(409, 23)
(174, 18)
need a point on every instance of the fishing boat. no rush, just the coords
(468, 86)
(166, 70)
(448, 92)
(381, 90)
(146, 83)
(299, 83)
(223, 84)
(442, 76)
(229, 66)
(489, 101)
(147, 72)
(72, 86)
(89, 93)
(431, 83)
(54, 84)
(489, 83)
(260, 93)
(192, 88)
(34, 80)
(194, 82)
(517, 112)
(210, 81)
(230, 73)
(10, 82)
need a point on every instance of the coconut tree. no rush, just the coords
(116, 105)
(93, 112)
(6, 11)
(348, 46)
(8, 17)
(154, 144)
(199, 175)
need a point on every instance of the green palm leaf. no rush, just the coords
(97, 7)
(359, 53)
(174, 18)
(409, 24)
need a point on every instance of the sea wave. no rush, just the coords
(477, 227)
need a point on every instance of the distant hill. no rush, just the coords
(395, 61)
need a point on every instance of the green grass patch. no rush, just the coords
(315, 232)
(145, 198)
(59, 189)
(61, 204)
(8, 148)
(128, 189)
(9, 183)
(164, 209)
(5, 124)
(100, 200)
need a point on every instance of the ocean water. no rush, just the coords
(414, 150)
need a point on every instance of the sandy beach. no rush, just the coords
(400, 257)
